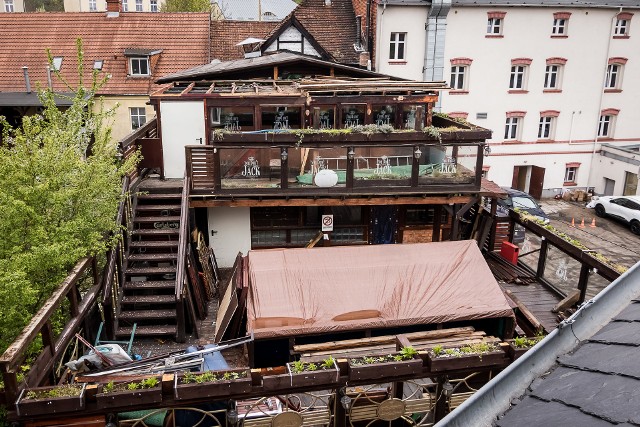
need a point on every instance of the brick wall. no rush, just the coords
(360, 8)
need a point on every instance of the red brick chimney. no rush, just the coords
(114, 5)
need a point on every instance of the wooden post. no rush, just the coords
(350, 167)
(315, 123)
(217, 183)
(72, 296)
(455, 224)
(442, 405)
(437, 223)
(583, 281)
(94, 271)
(492, 236)
(479, 160)
(419, 124)
(542, 259)
(415, 169)
(275, 72)
(284, 168)
(340, 415)
(47, 337)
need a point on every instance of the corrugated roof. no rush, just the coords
(225, 35)
(182, 37)
(23, 99)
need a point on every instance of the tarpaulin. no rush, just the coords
(322, 290)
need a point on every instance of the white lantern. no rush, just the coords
(326, 178)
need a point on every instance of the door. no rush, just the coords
(384, 225)
(609, 185)
(182, 124)
(630, 184)
(536, 182)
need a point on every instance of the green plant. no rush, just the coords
(188, 377)
(109, 387)
(437, 350)
(433, 132)
(218, 134)
(67, 390)
(524, 342)
(297, 367)
(408, 353)
(328, 363)
(312, 367)
(133, 386)
(149, 382)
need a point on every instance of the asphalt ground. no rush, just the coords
(610, 237)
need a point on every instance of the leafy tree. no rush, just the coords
(44, 5)
(186, 6)
(60, 185)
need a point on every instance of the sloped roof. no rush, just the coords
(332, 27)
(249, 10)
(225, 35)
(183, 39)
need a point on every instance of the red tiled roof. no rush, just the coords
(225, 35)
(333, 27)
(183, 39)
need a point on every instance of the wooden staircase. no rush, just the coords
(149, 289)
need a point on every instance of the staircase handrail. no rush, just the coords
(183, 241)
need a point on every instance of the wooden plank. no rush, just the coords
(228, 305)
(570, 300)
(525, 311)
(335, 201)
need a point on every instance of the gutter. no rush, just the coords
(483, 408)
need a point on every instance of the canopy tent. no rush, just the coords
(323, 290)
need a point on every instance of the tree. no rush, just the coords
(186, 6)
(60, 185)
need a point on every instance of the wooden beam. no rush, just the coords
(537, 325)
(583, 282)
(542, 258)
(373, 201)
(570, 300)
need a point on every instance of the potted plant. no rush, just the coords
(50, 400)
(191, 385)
(145, 391)
(519, 345)
(313, 373)
(467, 356)
(406, 362)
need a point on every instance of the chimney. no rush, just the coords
(49, 77)
(114, 6)
(327, 2)
(25, 70)
(359, 31)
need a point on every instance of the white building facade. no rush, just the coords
(101, 5)
(552, 82)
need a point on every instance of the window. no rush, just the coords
(605, 126)
(614, 73)
(458, 80)
(551, 77)
(154, 5)
(621, 27)
(138, 5)
(511, 128)
(139, 66)
(559, 26)
(125, 6)
(494, 26)
(397, 46)
(8, 6)
(570, 174)
(545, 128)
(621, 30)
(93, 6)
(518, 74)
(138, 117)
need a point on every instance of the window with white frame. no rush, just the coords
(552, 76)
(494, 26)
(570, 174)
(605, 125)
(512, 128)
(518, 77)
(622, 27)
(139, 66)
(8, 6)
(546, 127)
(459, 77)
(138, 5)
(154, 5)
(138, 117)
(614, 76)
(397, 51)
(559, 27)
(93, 5)
(125, 6)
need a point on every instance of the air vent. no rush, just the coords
(481, 116)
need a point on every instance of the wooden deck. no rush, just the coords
(539, 300)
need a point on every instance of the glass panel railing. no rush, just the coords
(250, 168)
(441, 165)
(382, 166)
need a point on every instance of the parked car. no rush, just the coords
(626, 208)
(517, 199)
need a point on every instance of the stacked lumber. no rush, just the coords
(506, 272)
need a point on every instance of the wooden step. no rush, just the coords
(148, 299)
(149, 284)
(147, 330)
(154, 244)
(159, 196)
(162, 218)
(152, 257)
(147, 314)
(155, 232)
(143, 271)
(158, 208)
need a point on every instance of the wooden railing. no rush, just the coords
(144, 139)
(53, 348)
(183, 241)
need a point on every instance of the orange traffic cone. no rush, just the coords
(573, 223)
(581, 223)
(593, 223)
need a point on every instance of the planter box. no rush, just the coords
(213, 388)
(515, 352)
(312, 378)
(44, 406)
(126, 398)
(376, 371)
(441, 364)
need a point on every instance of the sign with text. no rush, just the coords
(327, 222)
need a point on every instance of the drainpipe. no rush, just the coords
(25, 71)
(436, 27)
(49, 84)
(369, 39)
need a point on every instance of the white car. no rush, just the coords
(622, 207)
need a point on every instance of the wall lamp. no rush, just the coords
(351, 153)
(345, 400)
(284, 154)
(487, 151)
(232, 416)
(417, 153)
(447, 389)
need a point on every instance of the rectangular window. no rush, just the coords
(397, 46)
(614, 75)
(138, 117)
(458, 80)
(8, 6)
(511, 128)
(552, 77)
(93, 6)
(559, 26)
(125, 6)
(621, 27)
(232, 119)
(517, 80)
(154, 5)
(570, 174)
(139, 66)
(605, 126)
(494, 26)
(138, 5)
(545, 129)
(281, 117)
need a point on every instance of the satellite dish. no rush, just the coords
(326, 178)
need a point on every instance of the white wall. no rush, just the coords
(292, 34)
(612, 168)
(231, 229)
(182, 124)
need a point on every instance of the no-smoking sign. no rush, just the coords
(327, 222)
